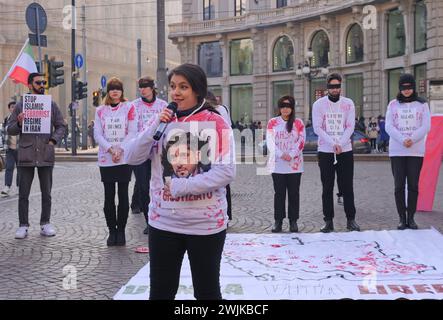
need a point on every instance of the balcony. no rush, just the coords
(307, 10)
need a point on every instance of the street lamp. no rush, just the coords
(306, 69)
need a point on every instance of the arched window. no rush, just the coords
(320, 48)
(283, 55)
(354, 44)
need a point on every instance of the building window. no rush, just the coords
(218, 92)
(354, 44)
(241, 103)
(396, 34)
(354, 91)
(420, 31)
(282, 3)
(240, 7)
(317, 90)
(280, 89)
(241, 57)
(210, 58)
(208, 10)
(283, 55)
(420, 79)
(320, 47)
(393, 78)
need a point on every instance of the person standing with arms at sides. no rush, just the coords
(115, 123)
(187, 213)
(333, 118)
(11, 155)
(224, 112)
(286, 136)
(36, 150)
(408, 120)
(372, 132)
(147, 106)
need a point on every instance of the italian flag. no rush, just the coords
(23, 65)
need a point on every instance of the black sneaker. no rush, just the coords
(136, 210)
(352, 225)
(146, 231)
(328, 227)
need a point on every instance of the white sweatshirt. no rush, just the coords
(407, 121)
(113, 127)
(280, 141)
(197, 205)
(333, 123)
(146, 110)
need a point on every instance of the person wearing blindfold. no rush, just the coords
(333, 118)
(147, 106)
(408, 120)
(35, 150)
(114, 125)
(286, 139)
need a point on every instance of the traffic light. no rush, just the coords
(81, 89)
(55, 76)
(96, 98)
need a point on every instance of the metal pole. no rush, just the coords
(73, 118)
(38, 41)
(161, 47)
(85, 80)
(139, 63)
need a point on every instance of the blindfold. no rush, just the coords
(286, 105)
(114, 87)
(147, 84)
(407, 87)
(334, 86)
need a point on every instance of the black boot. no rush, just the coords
(411, 222)
(293, 227)
(112, 238)
(402, 225)
(328, 227)
(277, 226)
(121, 238)
(352, 225)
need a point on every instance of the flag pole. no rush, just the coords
(16, 59)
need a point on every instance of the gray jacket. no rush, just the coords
(34, 150)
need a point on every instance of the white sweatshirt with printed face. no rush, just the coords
(333, 123)
(197, 203)
(407, 121)
(145, 111)
(113, 127)
(280, 141)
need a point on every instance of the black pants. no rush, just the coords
(166, 252)
(228, 199)
(116, 217)
(406, 168)
(25, 182)
(141, 191)
(345, 176)
(291, 183)
(373, 143)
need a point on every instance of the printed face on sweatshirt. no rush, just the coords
(182, 93)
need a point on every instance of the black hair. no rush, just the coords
(11, 103)
(33, 75)
(333, 76)
(290, 122)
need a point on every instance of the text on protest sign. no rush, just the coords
(37, 112)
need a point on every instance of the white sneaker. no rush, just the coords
(21, 233)
(47, 230)
(5, 191)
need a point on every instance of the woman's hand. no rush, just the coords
(166, 115)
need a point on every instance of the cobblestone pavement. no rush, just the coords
(36, 267)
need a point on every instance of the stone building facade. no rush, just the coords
(256, 51)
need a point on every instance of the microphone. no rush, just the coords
(162, 127)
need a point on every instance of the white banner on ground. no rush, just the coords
(357, 265)
(37, 111)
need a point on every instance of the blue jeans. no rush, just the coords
(11, 163)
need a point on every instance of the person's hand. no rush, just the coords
(407, 143)
(117, 154)
(166, 115)
(286, 157)
(337, 149)
(20, 117)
